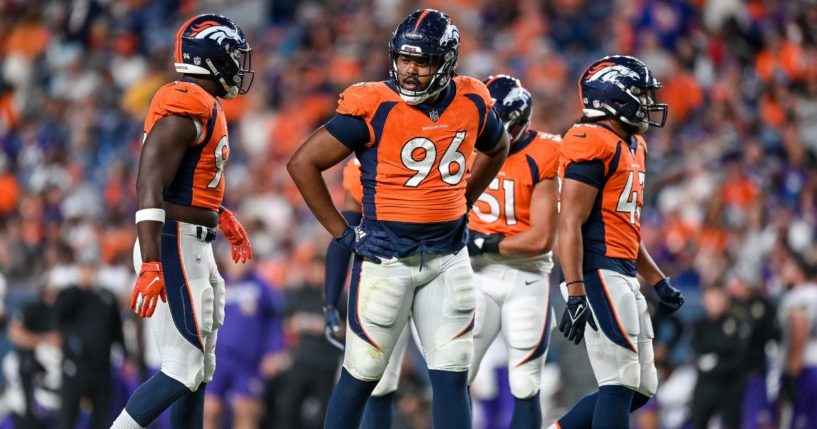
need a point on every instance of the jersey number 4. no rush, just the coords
(420, 155)
(628, 200)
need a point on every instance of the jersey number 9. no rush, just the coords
(420, 154)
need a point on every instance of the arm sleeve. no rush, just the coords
(491, 133)
(587, 172)
(349, 130)
(337, 265)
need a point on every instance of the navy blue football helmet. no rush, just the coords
(512, 102)
(428, 34)
(623, 88)
(214, 45)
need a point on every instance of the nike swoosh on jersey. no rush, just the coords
(528, 283)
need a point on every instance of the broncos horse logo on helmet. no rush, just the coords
(623, 88)
(513, 104)
(214, 45)
(429, 34)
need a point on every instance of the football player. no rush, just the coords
(378, 412)
(798, 317)
(180, 186)
(513, 226)
(603, 168)
(413, 136)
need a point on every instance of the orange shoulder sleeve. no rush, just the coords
(475, 86)
(584, 143)
(547, 156)
(359, 99)
(182, 99)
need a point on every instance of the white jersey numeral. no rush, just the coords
(426, 153)
(220, 148)
(493, 203)
(628, 200)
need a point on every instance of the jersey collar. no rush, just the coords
(435, 109)
(523, 142)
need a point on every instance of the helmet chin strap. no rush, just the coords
(230, 91)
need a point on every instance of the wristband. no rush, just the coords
(155, 215)
(491, 244)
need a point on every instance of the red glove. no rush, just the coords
(236, 235)
(150, 286)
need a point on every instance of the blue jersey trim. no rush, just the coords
(534, 169)
(368, 159)
(413, 238)
(491, 134)
(481, 109)
(523, 142)
(587, 172)
(349, 130)
(180, 190)
(441, 103)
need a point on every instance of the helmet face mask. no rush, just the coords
(624, 89)
(429, 36)
(213, 45)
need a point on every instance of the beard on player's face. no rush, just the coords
(414, 74)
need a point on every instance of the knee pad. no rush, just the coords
(455, 355)
(630, 372)
(524, 384)
(364, 362)
(190, 373)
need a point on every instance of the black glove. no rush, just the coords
(479, 243)
(669, 298)
(331, 327)
(789, 385)
(576, 314)
(371, 245)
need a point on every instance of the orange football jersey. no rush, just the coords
(199, 181)
(504, 208)
(414, 167)
(351, 180)
(613, 228)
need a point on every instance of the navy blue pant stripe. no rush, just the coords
(353, 315)
(604, 311)
(178, 292)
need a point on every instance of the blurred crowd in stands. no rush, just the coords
(730, 208)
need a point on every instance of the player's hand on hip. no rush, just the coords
(669, 298)
(236, 235)
(331, 326)
(577, 314)
(369, 244)
(150, 287)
